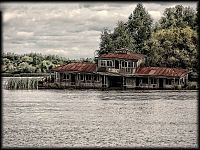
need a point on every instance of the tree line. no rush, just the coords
(33, 62)
(170, 42)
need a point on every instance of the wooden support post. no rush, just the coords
(55, 76)
(174, 82)
(104, 80)
(164, 82)
(65, 80)
(124, 83)
(37, 84)
(50, 77)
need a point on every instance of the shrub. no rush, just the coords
(192, 86)
(178, 87)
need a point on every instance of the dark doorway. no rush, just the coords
(115, 81)
(72, 77)
(160, 83)
(116, 64)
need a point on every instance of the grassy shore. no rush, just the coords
(24, 74)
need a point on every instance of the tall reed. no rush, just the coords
(22, 83)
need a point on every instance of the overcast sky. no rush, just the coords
(67, 29)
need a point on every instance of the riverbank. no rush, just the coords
(46, 85)
(38, 82)
(25, 75)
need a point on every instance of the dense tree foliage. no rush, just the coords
(121, 37)
(179, 16)
(131, 35)
(170, 42)
(174, 47)
(140, 26)
(106, 42)
(33, 63)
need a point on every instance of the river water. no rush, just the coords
(93, 118)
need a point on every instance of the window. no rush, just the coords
(88, 77)
(64, 76)
(182, 80)
(168, 81)
(153, 81)
(96, 77)
(130, 64)
(67, 76)
(124, 64)
(145, 80)
(109, 63)
(103, 63)
(81, 76)
(135, 64)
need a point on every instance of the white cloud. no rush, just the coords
(156, 15)
(8, 16)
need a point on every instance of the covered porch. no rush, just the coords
(159, 82)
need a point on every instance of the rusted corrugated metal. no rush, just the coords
(76, 67)
(130, 56)
(161, 71)
(58, 67)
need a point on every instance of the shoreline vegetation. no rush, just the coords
(170, 42)
(19, 83)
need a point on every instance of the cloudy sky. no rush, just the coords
(67, 29)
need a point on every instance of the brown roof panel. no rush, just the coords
(76, 67)
(131, 56)
(161, 71)
(58, 67)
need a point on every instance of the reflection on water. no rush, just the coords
(89, 118)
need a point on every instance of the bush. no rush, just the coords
(193, 76)
(192, 86)
(178, 87)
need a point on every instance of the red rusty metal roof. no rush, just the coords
(76, 67)
(57, 67)
(131, 56)
(161, 71)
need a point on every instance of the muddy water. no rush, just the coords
(90, 118)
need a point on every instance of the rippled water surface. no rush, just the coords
(91, 118)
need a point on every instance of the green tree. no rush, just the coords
(46, 65)
(140, 26)
(11, 68)
(179, 16)
(174, 47)
(23, 67)
(122, 38)
(106, 43)
(6, 61)
(27, 59)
